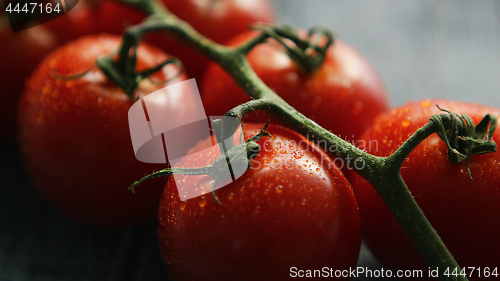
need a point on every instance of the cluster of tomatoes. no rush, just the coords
(294, 207)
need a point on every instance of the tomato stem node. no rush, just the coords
(310, 52)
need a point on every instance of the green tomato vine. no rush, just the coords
(382, 172)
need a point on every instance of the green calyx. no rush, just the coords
(243, 153)
(124, 74)
(310, 52)
(463, 138)
(240, 154)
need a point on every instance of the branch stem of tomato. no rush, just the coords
(240, 111)
(382, 173)
(247, 46)
(250, 106)
(388, 183)
(396, 159)
(206, 170)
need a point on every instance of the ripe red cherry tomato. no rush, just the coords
(343, 95)
(21, 53)
(219, 20)
(292, 210)
(93, 17)
(464, 212)
(25, 49)
(75, 138)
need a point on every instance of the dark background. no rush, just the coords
(38, 243)
(421, 49)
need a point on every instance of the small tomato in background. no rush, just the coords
(219, 20)
(464, 212)
(343, 95)
(21, 53)
(292, 208)
(23, 50)
(74, 134)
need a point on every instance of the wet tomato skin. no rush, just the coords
(464, 212)
(25, 49)
(288, 210)
(75, 139)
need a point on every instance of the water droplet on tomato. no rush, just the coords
(298, 154)
(202, 202)
(279, 189)
(384, 139)
(406, 123)
(182, 205)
